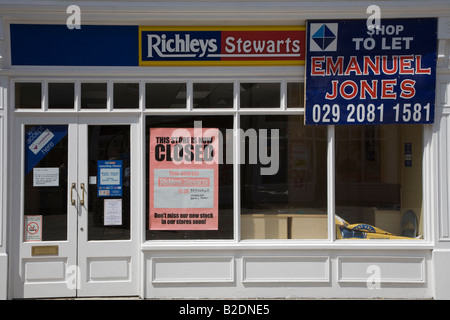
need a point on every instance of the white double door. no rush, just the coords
(75, 205)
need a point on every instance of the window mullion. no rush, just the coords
(237, 178)
(331, 191)
(189, 95)
(283, 95)
(44, 95)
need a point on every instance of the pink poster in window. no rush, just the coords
(184, 178)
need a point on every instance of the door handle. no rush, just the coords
(82, 194)
(71, 194)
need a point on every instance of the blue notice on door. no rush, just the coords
(109, 178)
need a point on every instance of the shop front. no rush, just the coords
(212, 150)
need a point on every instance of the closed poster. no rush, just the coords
(184, 176)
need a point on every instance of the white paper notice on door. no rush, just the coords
(112, 212)
(45, 177)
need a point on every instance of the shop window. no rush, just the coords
(126, 95)
(295, 95)
(183, 206)
(379, 181)
(260, 95)
(165, 95)
(292, 202)
(28, 95)
(93, 95)
(61, 95)
(213, 95)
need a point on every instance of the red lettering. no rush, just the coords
(384, 65)
(335, 68)
(352, 85)
(375, 67)
(408, 90)
(353, 66)
(371, 90)
(316, 68)
(387, 87)
(405, 64)
(334, 90)
(419, 69)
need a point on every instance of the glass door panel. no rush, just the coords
(45, 198)
(109, 182)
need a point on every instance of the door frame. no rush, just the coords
(120, 265)
(68, 273)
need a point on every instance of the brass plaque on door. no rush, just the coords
(44, 251)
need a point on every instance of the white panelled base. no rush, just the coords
(292, 274)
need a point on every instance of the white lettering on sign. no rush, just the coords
(271, 46)
(163, 47)
(184, 46)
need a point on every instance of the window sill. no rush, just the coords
(325, 244)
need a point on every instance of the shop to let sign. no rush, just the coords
(384, 75)
(283, 45)
(184, 179)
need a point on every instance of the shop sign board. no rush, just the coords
(184, 179)
(109, 45)
(361, 75)
(284, 45)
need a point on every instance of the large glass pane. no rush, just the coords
(61, 95)
(196, 194)
(260, 95)
(109, 182)
(292, 202)
(93, 95)
(213, 95)
(165, 95)
(45, 198)
(28, 95)
(379, 181)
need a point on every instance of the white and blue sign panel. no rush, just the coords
(40, 140)
(384, 75)
(109, 178)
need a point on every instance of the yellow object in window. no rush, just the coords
(345, 230)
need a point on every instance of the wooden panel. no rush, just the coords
(193, 270)
(390, 269)
(44, 270)
(109, 269)
(286, 269)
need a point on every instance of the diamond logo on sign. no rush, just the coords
(324, 37)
